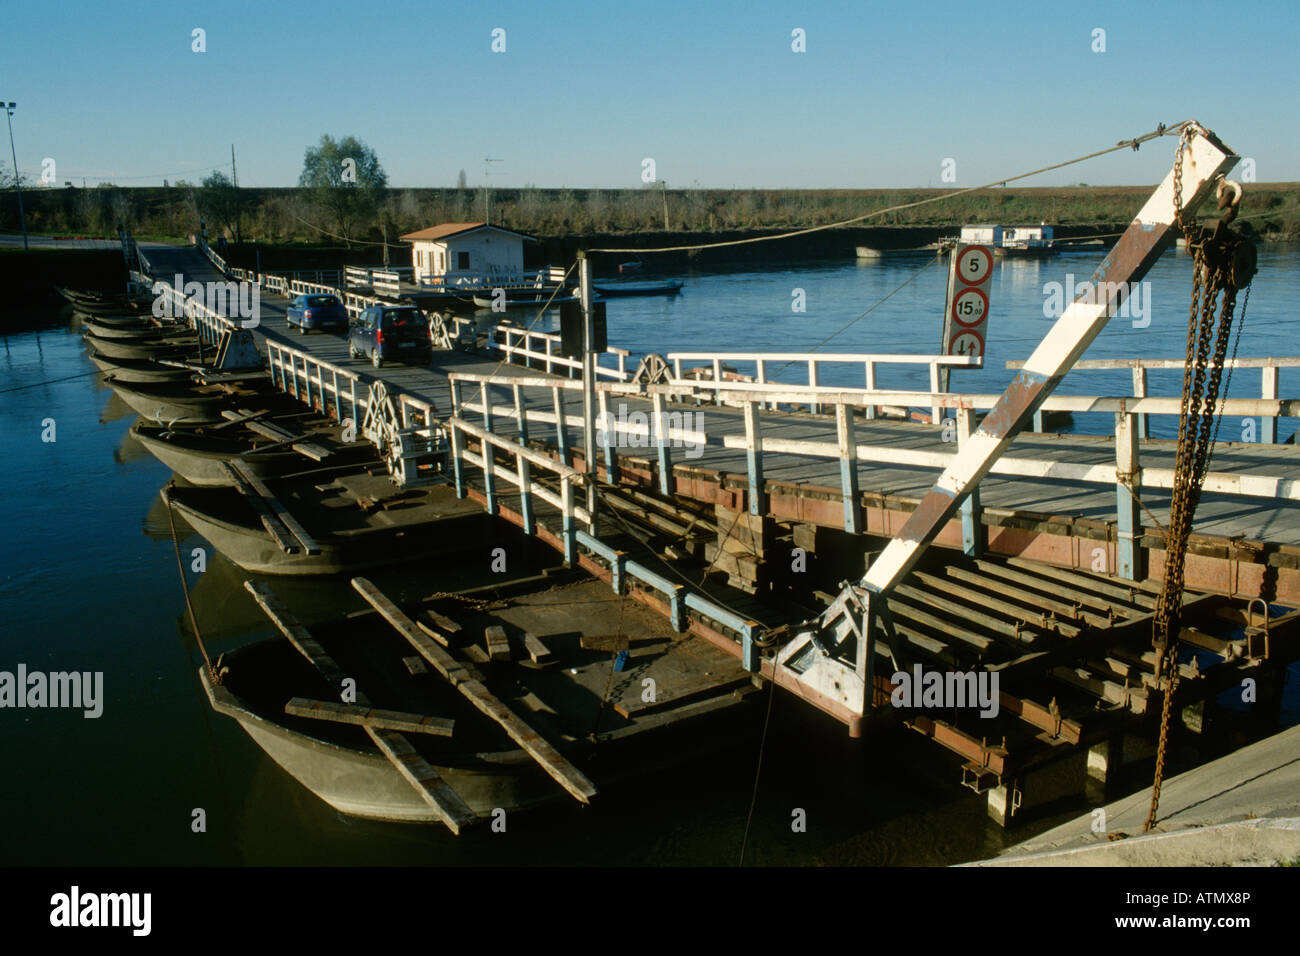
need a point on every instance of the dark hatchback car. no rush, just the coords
(316, 312)
(391, 334)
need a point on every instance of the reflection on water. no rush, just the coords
(91, 584)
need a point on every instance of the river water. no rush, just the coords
(88, 582)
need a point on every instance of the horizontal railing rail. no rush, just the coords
(1268, 387)
(812, 363)
(542, 350)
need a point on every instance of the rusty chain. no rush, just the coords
(1220, 267)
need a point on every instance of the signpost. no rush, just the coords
(966, 307)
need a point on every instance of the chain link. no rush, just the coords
(1208, 337)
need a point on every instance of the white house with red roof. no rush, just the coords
(467, 254)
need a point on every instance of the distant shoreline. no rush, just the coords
(561, 217)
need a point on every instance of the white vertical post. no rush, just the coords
(935, 411)
(972, 525)
(1268, 390)
(1126, 467)
(588, 388)
(1140, 391)
(871, 386)
(848, 467)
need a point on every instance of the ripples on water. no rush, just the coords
(88, 582)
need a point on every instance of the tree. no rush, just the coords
(461, 181)
(218, 200)
(344, 180)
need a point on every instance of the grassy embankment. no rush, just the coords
(285, 216)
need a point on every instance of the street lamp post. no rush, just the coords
(9, 113)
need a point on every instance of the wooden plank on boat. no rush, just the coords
(299, 636)
(498, 645)
(415, 665)
(434, 633)
(443, 623)
(234, 418)
(273, 525)
(435, 791)
(604, 642)
(369, 716)
(455, 812)
(532, 743)
(538, 652)
(275, 506)
(276, 433)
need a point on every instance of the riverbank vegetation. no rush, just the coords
(291, 215)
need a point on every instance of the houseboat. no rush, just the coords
(1012, 240)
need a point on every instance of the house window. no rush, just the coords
(462, 260)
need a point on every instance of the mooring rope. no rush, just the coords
(1160, 130)
(213, 674)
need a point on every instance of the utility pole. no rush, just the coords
(664, 184)
(234, 181)
(18, 185)
(487, 188)
(588, 386)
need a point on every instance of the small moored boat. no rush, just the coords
(672, 287)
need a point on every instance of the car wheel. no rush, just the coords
(352, 352)
(302, 330)
(375, 360)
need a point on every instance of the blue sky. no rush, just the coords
(585, 91)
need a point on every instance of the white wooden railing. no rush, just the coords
(541, 350)
(1268, 366)
(811, 363)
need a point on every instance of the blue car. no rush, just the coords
(385, 333)
(316, 312)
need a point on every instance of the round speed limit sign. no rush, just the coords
(969, 307)
(966, 343)
(974, 265)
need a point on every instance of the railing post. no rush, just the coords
(659, 422)
(848, 467)
(525, 492)
(607, 432)
(521, 414)
(338, 402)
(568, 530)
(972, 525)
(1140, 391)
(870, 368)
(813, 381)
(561, 432)
(1268, 390)
(457, 467)
(749, 655)
(1127, 472)
(485, 446)
(618, 571)
(934, 387)
(754, 457)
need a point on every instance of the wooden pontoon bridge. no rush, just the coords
(1049, 548)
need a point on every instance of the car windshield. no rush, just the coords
(401, 317)
(316, 301)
